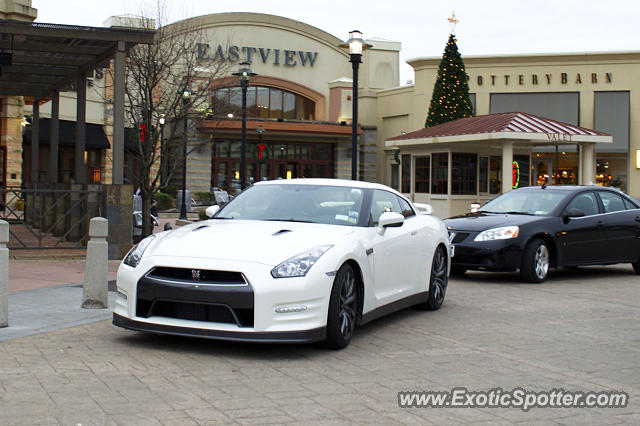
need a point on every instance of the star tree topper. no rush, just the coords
(452, 19)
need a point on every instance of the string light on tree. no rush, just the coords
(450, 100)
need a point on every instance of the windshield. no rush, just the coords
(539, 203)
(333, 205)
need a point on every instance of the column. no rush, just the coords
(35, 143)
(507, 166)
(81, 132)
(587, 162)
(118, 116)
(54, 137)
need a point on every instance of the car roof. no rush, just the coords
(328, 182)
(570, 188)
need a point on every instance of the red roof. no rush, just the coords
(517, 122)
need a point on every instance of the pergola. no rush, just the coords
(39, 60)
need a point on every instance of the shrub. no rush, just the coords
(164, 201)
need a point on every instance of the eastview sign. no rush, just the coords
(288, 58)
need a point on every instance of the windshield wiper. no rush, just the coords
(221, 217)
(289, 220)
(515, 212)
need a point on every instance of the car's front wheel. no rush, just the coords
(343, 308)
(438, 281)
(535, 262)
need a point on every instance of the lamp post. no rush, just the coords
(356, 45)
(244, 72)
(163, 160)
(186, 95)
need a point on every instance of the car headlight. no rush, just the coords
(502, 233)
(135, 254)
(299, 265)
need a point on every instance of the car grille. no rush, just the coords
(217, 296)
(197, 275)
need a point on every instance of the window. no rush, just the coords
(407, 211)
(440, 173)
(484, 175)
(383, 201)
(611, 202)
(464, 169)
(395, 184)
(422, 174)
(629, 205)
(263, 102)
(406, 174)
(585, 202)
(524, 168)
(495, 175)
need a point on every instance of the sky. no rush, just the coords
(486, 27)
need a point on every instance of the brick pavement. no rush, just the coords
(580, 331)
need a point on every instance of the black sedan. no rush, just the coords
(535, 228)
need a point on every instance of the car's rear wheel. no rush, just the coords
(343, 308)
(438, 281)
(535, 262)
(636, 267)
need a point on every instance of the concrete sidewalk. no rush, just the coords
(46, 295)
(51, 308)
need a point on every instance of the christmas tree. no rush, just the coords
(450, 99)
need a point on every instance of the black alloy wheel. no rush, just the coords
(438, 281)
(343, 308)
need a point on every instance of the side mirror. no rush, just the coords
(571, 213)
(424, 208)
(389, 219)
(474, 207)
(211, 210)
(167, 227)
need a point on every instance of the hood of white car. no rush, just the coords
(264, 242)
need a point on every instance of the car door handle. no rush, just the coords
(637, 219)
(600, 224)
(414, 233)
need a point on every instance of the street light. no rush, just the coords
(163, 159)
(356, 45)
(186, 95)
(244, 72)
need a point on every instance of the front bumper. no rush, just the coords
(263, 310)
(500, 255)
(305, 336)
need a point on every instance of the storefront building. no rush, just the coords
(596, 91)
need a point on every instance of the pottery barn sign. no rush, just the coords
(535, 79)
(286, 57)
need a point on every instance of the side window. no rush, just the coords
(407, 211)
(611, 202)
(585, 202)
(383, 201)
(629, 205)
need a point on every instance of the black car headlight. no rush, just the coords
(502, 233)
(134, 256)
(299, 265)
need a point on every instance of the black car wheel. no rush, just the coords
(535, 262)
(438, 282)
(343, 308)
(636, 267)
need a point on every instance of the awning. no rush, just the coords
(95, 136)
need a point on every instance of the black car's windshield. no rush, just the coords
(333, 205)
(539, 203)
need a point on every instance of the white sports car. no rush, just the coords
(294, 261)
